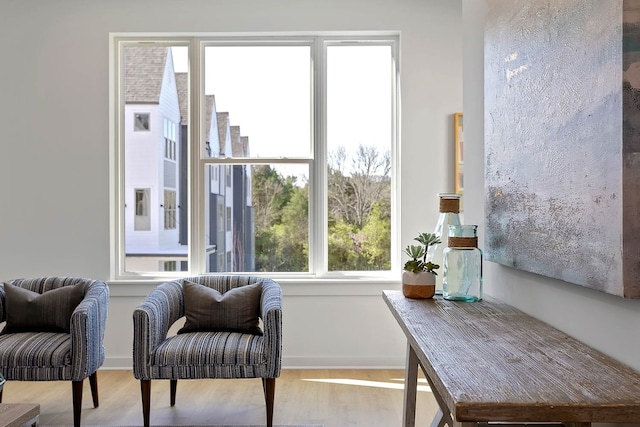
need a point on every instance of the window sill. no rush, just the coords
(342, 286)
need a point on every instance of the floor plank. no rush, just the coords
(335, 398)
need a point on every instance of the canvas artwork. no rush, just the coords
(562, 140)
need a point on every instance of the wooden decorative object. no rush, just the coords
(418, 285)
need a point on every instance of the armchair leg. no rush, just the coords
(77, 401)
(269, 385)
(93, 382)
(145, 388)
(174, 386)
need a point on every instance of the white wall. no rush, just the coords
(608, 323)
(54, 161)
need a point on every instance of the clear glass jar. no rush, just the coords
(449, 215)
(462, 264)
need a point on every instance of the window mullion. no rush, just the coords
(318, 209)
(195, 165)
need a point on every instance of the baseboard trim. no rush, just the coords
(118, 363)
(329, 362)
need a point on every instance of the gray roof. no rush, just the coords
(210, 105)
(182, 86)
(182, 83)
(144, 70)
(245, 145)
(223, 124)
(236, 143)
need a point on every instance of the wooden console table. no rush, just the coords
(489, 362)
(19, 414)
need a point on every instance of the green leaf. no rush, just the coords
(427, 239)
(414, 252)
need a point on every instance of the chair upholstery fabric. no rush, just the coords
(36, 356)
(196, 355)
(51, 356)
(209, 355)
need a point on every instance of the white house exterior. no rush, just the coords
(156, 134)
(152, 156)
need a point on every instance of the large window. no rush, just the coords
(305, 130)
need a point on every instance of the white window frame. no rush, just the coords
(318, 251)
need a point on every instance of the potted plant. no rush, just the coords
(419, 275)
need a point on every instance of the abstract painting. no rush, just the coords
(562, 140)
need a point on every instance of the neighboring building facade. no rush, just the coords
(156, 135)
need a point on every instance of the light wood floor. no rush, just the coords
(335, 398)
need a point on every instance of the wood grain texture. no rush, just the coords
(492, 362)
(17, 414)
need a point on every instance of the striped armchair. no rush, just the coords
(203, 354)
(59, 356)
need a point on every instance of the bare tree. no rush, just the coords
(267, 191)
(353, 193)
(338, 185)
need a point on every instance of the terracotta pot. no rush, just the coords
(418, 285)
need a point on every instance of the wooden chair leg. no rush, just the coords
(93, 382)
(77, 401)
(269, 385)
(145, 388)
(174, 386)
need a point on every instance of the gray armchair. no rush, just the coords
(205, 354)
(52, 355)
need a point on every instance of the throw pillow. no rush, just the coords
(237, 310)
(29, 311)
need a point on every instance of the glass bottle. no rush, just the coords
(449, 215)
(462, 264)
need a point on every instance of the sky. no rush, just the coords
(267, 92)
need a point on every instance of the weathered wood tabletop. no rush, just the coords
(488, 361)
(19, 414)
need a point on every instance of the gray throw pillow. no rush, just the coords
(237, 310)
(29, 311)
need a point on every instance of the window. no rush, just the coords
(169, 139)
(169, 266)
(172, 266)
(169, 210)
(141, 221)
(301, 129)
(141, 121)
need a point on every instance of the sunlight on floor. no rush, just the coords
(365, 383)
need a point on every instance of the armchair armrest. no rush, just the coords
(3, 309)
(88, 323)
(271, 312)
(151, 322)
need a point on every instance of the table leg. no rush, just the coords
(438, 419)
(443, 416)
(410, 388)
